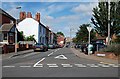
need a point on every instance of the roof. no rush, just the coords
(6, 27)
(6, 14)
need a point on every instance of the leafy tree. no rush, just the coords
(30, 38)
(100, 18)
(20, 36)
(82, 34)
(60, 33)
(74, 40)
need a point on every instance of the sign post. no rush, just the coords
(89, 45)
(89, 30)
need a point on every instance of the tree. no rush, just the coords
(82, 34)
(74, 40)
(20, 36)
(100, 18)
(30, 38)
(60, 33)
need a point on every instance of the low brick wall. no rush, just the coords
(107, 55)
(11, 48)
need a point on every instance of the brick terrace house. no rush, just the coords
(60, 40)
(7, 28)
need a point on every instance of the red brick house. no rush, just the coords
(7, 28)
(60, 40)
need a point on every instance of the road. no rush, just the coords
(61, 62)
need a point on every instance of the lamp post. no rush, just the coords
(16, 33)
(108, 22)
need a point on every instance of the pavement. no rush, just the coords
(13, 54)
(93, 57)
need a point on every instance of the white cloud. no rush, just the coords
(49, 17)
(12, 9)
(85, 8)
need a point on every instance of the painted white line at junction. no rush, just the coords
(25, 66)
(80, 65)
(8, 66)
(55, 50)
(66, 65)
(35, 65)
(50, 54)
(52, 65)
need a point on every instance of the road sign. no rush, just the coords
(89, 29)
(61, 57)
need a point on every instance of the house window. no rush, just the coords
(10, 34)
(5, 36)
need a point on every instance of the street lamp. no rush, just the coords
(16, 32)
(89, 30)
(108, 22)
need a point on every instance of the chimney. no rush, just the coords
(22, 15)
(29, 15)
(37, 17)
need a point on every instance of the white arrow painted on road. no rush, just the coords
(61, 57)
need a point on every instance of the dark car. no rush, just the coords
(77, 46)
(40, 47)
(51, 46)
(98, 46)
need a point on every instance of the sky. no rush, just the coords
(59, 16)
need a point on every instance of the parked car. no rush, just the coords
(57, 46)
(51, 46)
(84, 47)
(40, 47)
(98, 46)
(77, 46)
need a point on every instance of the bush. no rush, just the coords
(115, 48)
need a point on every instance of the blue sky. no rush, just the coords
(59, 16)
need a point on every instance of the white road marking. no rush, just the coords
(115, 66)
(105, 65)
(61, 57)
(50, 54)
(8, 66)
(80, 65)
(55, 50)
(39, 65)
(52, 65)
(66, 65)
(35, 65)
(25, 66)
(92, 65)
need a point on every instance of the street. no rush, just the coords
(61, 62)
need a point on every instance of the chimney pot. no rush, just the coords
(37, 17)
(29, 15)
(22, 15)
